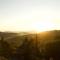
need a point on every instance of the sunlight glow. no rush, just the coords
(19, 25)
(28, 15)
(43, 26)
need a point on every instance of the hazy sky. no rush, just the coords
(26, 15)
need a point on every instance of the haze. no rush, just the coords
(29, 15)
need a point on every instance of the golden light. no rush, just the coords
(30, 24)
(43, 26)
(38, 26)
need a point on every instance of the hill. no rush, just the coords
(46, 43)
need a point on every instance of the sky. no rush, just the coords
(29, 15)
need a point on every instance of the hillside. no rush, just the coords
(44, 44)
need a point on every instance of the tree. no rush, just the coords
(27, 51)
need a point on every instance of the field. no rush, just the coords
(30, 46)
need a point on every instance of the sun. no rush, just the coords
(43, 26)
(38, 26)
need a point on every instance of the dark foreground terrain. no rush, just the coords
(28, 46)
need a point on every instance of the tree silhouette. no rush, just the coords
(27, 51)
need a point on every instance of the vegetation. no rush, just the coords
(43, 46)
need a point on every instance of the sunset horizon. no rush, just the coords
(31, 15)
